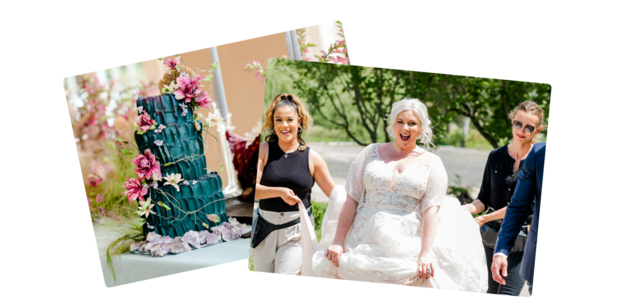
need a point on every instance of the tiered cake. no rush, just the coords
(180, 139)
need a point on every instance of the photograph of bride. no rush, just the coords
(399, 177)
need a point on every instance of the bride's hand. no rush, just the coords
(425, 265)
(333, 254)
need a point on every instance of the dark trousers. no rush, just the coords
(514, 282)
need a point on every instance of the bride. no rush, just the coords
(397, 225)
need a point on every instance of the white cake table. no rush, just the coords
(137, 267)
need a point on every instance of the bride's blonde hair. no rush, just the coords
(421, 112)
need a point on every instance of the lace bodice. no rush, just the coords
(418, 187)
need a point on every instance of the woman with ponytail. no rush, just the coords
(287, 170)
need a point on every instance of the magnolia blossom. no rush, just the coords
(134, 190)
(213, 119)
(173, 180)
(147, 166)
(172, 63)
(189, 88)
(145, 123)
(203, 100)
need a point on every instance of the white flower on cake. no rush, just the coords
(173, 180)
(186, 182)
(161, 127)
(159, 143)
(140, 109)
(194, 182)
(146, 208)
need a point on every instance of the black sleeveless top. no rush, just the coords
(291, 172)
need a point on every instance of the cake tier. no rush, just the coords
(180, 138)
(196, 198)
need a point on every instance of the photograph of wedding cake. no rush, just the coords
(189, 202)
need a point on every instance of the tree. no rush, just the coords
(358, 99)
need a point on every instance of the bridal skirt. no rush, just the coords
(384, 246)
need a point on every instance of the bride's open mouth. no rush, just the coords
(285, 132)
(405, 136)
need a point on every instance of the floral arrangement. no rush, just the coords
(337, 53)
(245, 159)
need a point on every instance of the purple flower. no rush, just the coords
(186, 182)
(147, 165)
(185, 109)
(134, 190)
(154, 185)
(140, 109)
(89, 200)
(159, 143)
(145, 123)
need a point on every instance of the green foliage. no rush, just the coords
(460, 192)
(250, 263)
(318, 210)
(356, 99)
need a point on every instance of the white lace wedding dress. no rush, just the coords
(384, 242)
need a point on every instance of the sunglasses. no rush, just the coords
(517, 125)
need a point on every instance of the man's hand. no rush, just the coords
(499, 263)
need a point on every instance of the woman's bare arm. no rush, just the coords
(475, 207)
(321, 172)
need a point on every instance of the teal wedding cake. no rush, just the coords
(179, 143)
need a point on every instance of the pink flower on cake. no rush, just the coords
(147, 166)
(203, 100)
(99, 198)
(172, 63)
(134, 190)
(145, 123)
(189, 88)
